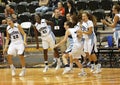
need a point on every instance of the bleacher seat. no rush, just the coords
(106, 5)
(24, 17)
(93, 5)
(18, 1)
(22, 7)
(32, 6)
(29, 1)
(26, 27)
(32, 18)
(3, 28)
(48, 15)
(2, 7)
(81, 5)
(99, 14)
(13, 5)
(2, 16)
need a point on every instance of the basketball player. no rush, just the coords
(17, 36)
(48, 40)
(87, 26)
(77, 49)
(115, 24)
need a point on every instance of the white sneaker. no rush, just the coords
(45, 69)
(92, 67)
(83, 63)
(98, 69)
(13, 72)
(88, 64)
(66, 70)
(58, 66)
(22, 73)
(82, 74)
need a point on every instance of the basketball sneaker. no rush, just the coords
(13, 72)
(66, 70)
(82, 74)
(92, 67)
(58, 66)
(22, 73)
(98, 69)
(45, 69)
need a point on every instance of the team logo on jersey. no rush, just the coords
(83, 28)
(14, 32)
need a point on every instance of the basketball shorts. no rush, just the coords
(15, 49)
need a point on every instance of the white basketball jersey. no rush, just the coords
(15, 34)
(43, 29)
(85, 26)
(73, 33)
(78, 45)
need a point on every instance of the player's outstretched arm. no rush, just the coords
(6, 43)
(67, 33)
(23, 33)
(36, 37)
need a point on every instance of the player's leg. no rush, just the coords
(75, 55)
(97, 65)
(71, 61)
(45, 51)
(92, 63)
(56, 53)
(65, 62)
(20, 50)
(82, 72)
(11, 52)
(9, 58)
(22, 61)
(92, 57)
(86, 47)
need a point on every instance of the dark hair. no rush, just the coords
(68, 23)
(91, 17)
(80, 15)
(37, 14)
(71, 3)
(117, 7)
(55, 9)
(74, 20)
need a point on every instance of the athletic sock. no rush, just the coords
(71, 65)
(12, 66)
(46, 63)
(58, 60)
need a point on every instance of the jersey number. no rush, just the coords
(15, 37)
(44, 31)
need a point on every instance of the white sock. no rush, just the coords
(58, 60)
(23, 68)
(71, 65)
(92, 65)
(46, 63)
(82, 70)
(12, 66)
(54, 60)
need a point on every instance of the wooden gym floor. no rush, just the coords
(35, 76)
